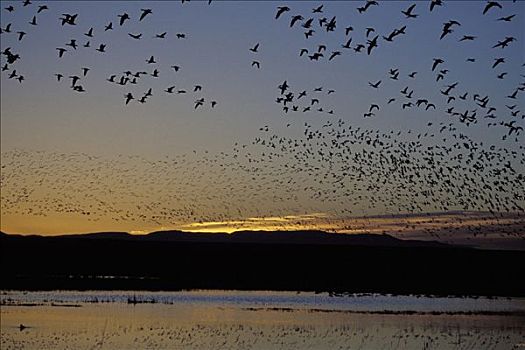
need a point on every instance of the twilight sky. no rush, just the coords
(85, 161)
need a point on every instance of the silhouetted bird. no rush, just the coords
(318, 9)
(498, 61)
(144, 13)
(506, 19)
(61, 51)
(491, 4)
(295, 19)
(128, 97)
(73, 44)
(123, 18)
(281, 10)
(408, 12)
(434, 3)
(437, 61)
(372, 44)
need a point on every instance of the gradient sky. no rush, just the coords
(92, 143)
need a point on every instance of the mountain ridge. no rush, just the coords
(299, 237)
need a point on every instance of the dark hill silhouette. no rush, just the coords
(307, 237)
(305, 261)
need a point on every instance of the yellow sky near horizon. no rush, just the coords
(422, 226)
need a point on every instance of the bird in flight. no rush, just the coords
(144, 13)
(74, 79)
(255, 48)
(161, 35)
(123, 18)
(7, 28)
(371, 44)
(434, 3)
(69, 19)
(109, 27)
(408, 12)
(467, 37)
(101, 48)
(89, 33)
(505, 42)
(135, 36)
(347, 44)
(498, 61)
(128, 97)
(334, 55)
(375, 85)
(283, 87)
(199, 102)
(73, 44)
(21, 35)
(61, 51)
(318, 9)
(491, 4)
(295, 19)
(281, 10)
(437, 61)
(367, 5)
(507, 18)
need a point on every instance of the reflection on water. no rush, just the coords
(256, 320)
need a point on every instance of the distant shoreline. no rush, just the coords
(381, 264)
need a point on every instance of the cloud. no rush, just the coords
(471, 228)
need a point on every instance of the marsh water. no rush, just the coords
(256, 320)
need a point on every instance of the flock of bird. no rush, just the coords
(336, 168)
(74, 46)
(408, 98)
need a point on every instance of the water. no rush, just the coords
(256, 320)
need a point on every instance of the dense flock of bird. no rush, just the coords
(336, 168)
